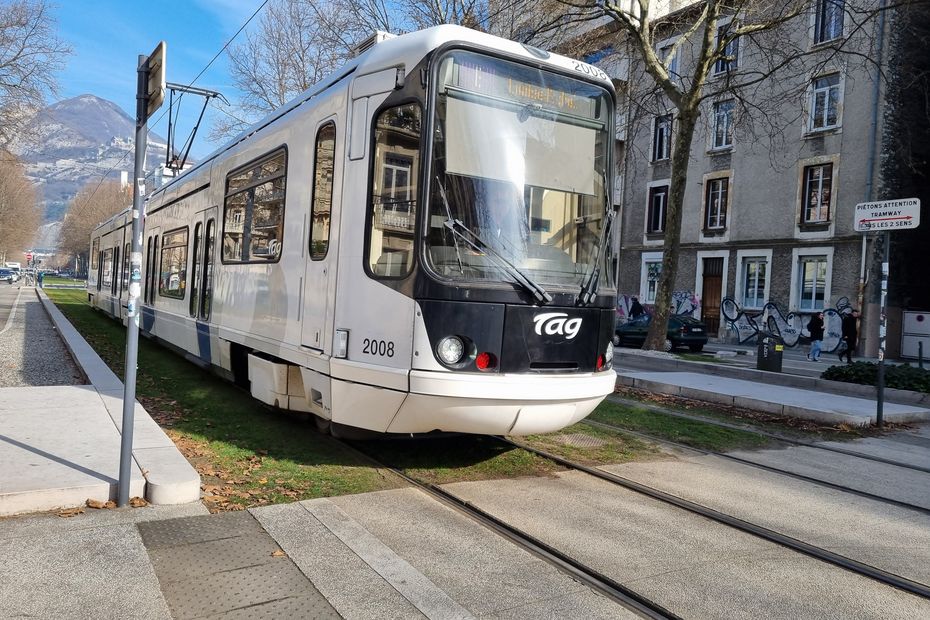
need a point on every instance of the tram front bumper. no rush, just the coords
(499, 404)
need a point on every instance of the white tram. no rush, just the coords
(418, 243)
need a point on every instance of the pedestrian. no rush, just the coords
(850, 335)
(815, 329)
(636, 309)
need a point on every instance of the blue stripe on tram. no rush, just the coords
(148, 318)
(203, 340)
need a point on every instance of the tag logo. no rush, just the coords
(557, 323)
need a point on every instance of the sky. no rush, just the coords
(107, 36)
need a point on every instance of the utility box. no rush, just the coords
(915, 328)
(769, 355)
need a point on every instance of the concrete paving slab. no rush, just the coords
(60, 445)
(50, 524)
(889, 537)
(880, 479)
(58, 455)
(691, 566)
(796, 402)
(483, 572)
(100, 572)
(352, 587)
(894, 447)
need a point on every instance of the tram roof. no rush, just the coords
(407, 49)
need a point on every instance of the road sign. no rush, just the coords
(155, 89)
(28, 257)
(884, 215)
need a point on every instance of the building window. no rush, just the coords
(723, 124)
(662, 138)
(715, 204)
(653, 269)
(172, 277)
(320, 212)
(825, 102)
(253, 222)
(658, 202)
(812, 278)
(394, 191)
(754, 273)
(729, 59)
(671, 62)
(818, 186)
(828, 21)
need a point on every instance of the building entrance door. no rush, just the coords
(712, 292)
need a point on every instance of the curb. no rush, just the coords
(169, 478)
(892, 395)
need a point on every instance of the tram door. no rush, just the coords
(203, 256)
(320, 261)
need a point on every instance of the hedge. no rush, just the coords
(901, 377)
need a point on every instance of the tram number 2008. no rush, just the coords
(378, 347)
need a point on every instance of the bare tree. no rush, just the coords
(30, 55)
(299, 42)
(19, 214)
(739, 50)
(93, 204)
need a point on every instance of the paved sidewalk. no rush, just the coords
(60, 444)
(777, 399)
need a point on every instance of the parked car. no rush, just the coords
(683, 331)
(7, 275)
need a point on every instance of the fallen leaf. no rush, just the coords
(71, 512)
(278, 553)
(96, 504)
(138, 502)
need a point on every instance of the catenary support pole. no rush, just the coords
(882, 330)
(135, 283)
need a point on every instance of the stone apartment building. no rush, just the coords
(775, 170)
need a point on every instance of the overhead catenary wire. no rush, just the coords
(197, 77)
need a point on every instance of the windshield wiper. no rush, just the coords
(588, 291)
(455, 243)
(479, 244)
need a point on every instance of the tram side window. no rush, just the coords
(172, 278)
(149, 259)
(195, 267)
(253, 211)
(394, 191)
(126, 267)
(325, 164)
(207, 296)
(94, 250)
(115, 286)
(107, 277)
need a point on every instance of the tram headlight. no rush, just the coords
(451, 350)
(609, 355)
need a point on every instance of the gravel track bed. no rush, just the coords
(31, 351)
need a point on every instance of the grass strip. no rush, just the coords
(246, 454)
(689, 432)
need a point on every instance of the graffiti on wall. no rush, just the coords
(790, 327)
(683, 302)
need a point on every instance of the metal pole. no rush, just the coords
(920, 354)
(135, 283)
(881, 332)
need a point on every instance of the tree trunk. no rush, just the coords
(685, 121)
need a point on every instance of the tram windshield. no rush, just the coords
(519, 168)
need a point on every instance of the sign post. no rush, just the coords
(150, 93)
(885, 216)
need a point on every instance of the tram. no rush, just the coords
(418, 243)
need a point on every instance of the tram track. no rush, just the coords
(762, 466)
(575, 569)
(819, 553)
(778, 437)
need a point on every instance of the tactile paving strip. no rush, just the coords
(224, 566)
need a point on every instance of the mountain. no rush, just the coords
(79, 140)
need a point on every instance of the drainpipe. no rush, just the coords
(873, 146)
